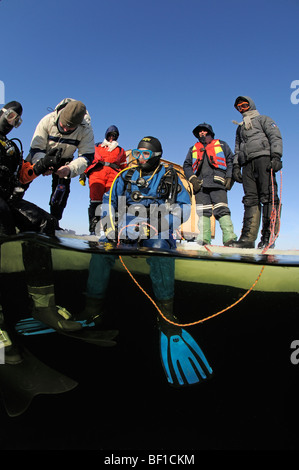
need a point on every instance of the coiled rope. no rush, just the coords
(273, 237)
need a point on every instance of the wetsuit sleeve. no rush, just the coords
(187, 166)
(26, 174)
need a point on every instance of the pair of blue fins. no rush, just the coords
(183, 361)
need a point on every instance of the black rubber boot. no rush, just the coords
(250, 229)
(166, 307)
(266, 228)
(93, 311)
(93, 218)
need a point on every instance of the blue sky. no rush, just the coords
(156, 67)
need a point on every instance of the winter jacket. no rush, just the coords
(48, 136)
(103, 157)
(211, 175)
(263, 139)
(105, 166)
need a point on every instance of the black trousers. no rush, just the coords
(28, 217)
(211, 201)
(257, 183)
(58, 204)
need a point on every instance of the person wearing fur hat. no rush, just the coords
(258, 150)
(109, 159)
(65, 130)
(208, 166)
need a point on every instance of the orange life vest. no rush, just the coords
(214, 152)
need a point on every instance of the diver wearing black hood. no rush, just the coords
(258, 149)
(151, 202)
(153, 156)
(15, 212)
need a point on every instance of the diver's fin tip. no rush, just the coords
(21, 383)
(183, 361)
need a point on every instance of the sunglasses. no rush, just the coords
(146, 154)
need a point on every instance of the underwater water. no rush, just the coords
(123, 401)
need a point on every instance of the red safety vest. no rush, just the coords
(214, 152)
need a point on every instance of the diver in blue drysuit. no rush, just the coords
(151, 203)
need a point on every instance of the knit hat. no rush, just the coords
(73, 114)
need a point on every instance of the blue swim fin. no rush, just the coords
(31, 326)
(183, 361)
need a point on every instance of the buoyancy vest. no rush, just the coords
(214, 152)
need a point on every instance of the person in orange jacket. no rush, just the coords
(109, 159)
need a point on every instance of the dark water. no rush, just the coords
(123, 401)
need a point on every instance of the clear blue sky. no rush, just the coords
(156, 67)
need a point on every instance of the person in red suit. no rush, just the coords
(109, 159)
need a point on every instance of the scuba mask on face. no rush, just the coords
(151, 150)
(10, 117)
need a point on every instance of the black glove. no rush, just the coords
(195, 183)
(51, 160)
(237, 175)
(275, 164)
(229, 182)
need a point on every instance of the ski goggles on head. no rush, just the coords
(12, 117)
(244, 106)
(146, 154)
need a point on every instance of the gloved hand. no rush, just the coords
(275, 164)
(82, 179)
(195, 183)
(51, 160)
(229, 182)
(237, 175)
